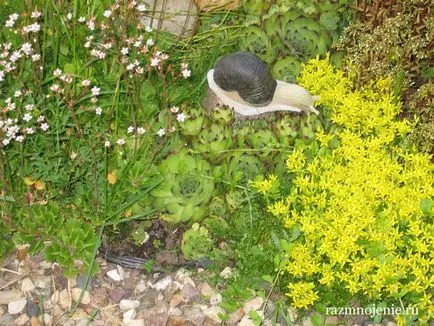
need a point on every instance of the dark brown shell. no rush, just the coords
(248, 75)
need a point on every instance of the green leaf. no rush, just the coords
(426, 205)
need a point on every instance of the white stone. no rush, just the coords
(27, 285)
(125, 305)
(43, 282)
(64, 299)
(47, 319)
(253, 304)
(45, 264)
(213, 313)
(83, 322)
(141, 287)
(114, 275)
(135, 322)
(173, 311)
(10, 295)
(206, 290)
(162, 284)
(292, 314)
(188, 280)
(76, 295)
(22, 320)
(15, 307)
(246, 321)
(226, 273)
(129, 315)
(216, 299)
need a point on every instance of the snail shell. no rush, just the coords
(242, 81)
(248, 75)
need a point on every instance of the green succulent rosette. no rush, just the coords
(186, 188)
(243, 167)
(214, 141)
(196, 242)
(193, 125)
(265, 143)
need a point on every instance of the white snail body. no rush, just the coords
(243, 82)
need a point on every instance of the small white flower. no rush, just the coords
(55, 88)
(141, 130)
(130, 129)
(120, 141)
(184, 65)
(40, 118)
(94, 100)
(141, 8)
(45, 126)
(18, 93)
(95, 91)
(107, 144)
(29, 107)
(85, 83)
(57, 72)
(6, 141)
(32, 28)
(82, 19)
(36, 57)
(98, 111)
(73, 155)
(107, 13)
(172, 129)
(181, 117)
(174, 109)
(27, 117)
(69, 16)
(125, 51)
(91, 24)
(148, 29)
(26, 48)
(36, 14)
(186, 73)
(150, 42)
(161, 132)
(20, 138)
(30, 131)
(155, 61)
(130, 66)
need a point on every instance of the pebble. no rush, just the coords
(27, 285)
(226, 273)
(194, 315)
(306, 321)
(15, 307)
(206, 290)
(76, 296)
(173, 311)
(189, 293)
(64, 299)
(235, 316)
(47, 319)
(81, 281)
(216, 299)
(213, 313)
(22, 320)
(176, 300)
(43, 282)
(140, 287)
(135, 322)
(2, 311)
(125, 305)
(8, 296)
(246, 321)
(114, 275)
(129, 315)
(32, 309)
(188, 280)
(34, 321)
(253, 304)
(162, 284)
(292, 314)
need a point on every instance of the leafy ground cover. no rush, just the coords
(103, 141)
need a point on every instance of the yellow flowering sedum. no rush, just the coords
(358, 206)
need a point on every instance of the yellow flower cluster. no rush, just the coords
(359, 205)
(264, 186)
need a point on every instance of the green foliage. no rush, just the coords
(286, 34)
(196, 242)
(186, 189)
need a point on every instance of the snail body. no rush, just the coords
(243, 81)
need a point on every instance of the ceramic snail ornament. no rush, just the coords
(243, 82)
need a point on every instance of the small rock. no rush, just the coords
(140, 287)
(176, 321)
(22, 320)
(334, 320)
(213, 313)
(118, 294)
(306, 321)
(226, 273)
(64, 299)
(47, 319)
(129, 315)
(43, 282)
(15, 307)
(135, 322)
(34, 321)
(162, 284)
(253, 304)
(216, 299)
(176, 300)
(175, 311)
(32, 309)
(8, 296)
(188, 280)
(292, 314)
(81, 282)
(2, 311)
(76, 296)
(7, 319)
(45, 264)
(194, 315)
(125, 305)
(235, 317)
(206, 290)
(189, 293)
(181, 274)
(114, 275)
(246, 321)
(27, 285)
(82, 322)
